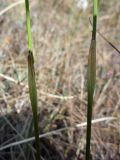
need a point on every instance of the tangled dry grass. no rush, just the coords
(61, 36)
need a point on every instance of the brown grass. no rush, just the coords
(61, 42)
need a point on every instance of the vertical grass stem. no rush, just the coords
(91, 79)
(32, 82)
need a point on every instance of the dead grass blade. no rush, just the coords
(79, 126)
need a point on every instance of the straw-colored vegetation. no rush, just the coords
(61, 41)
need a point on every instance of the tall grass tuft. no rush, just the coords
(31, 81)
(91, 79)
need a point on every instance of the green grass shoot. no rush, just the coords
(32, 82)
(91, 79)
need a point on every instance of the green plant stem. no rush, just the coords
(32, 82)
(28, 25)
(91, 79)
(90, 86)
(95, 10)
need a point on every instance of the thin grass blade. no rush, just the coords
(91, 79)
(105, 39)
(32, 82)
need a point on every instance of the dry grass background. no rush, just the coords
(61, 37)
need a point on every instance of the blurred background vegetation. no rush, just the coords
(61, 36)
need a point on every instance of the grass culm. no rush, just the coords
(32, 82)
(91, 79)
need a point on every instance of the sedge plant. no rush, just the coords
(31, 81)
(91, 78)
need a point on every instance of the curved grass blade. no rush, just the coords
(105, 39)
(110, 43)
(32, 82)
(91, 79)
